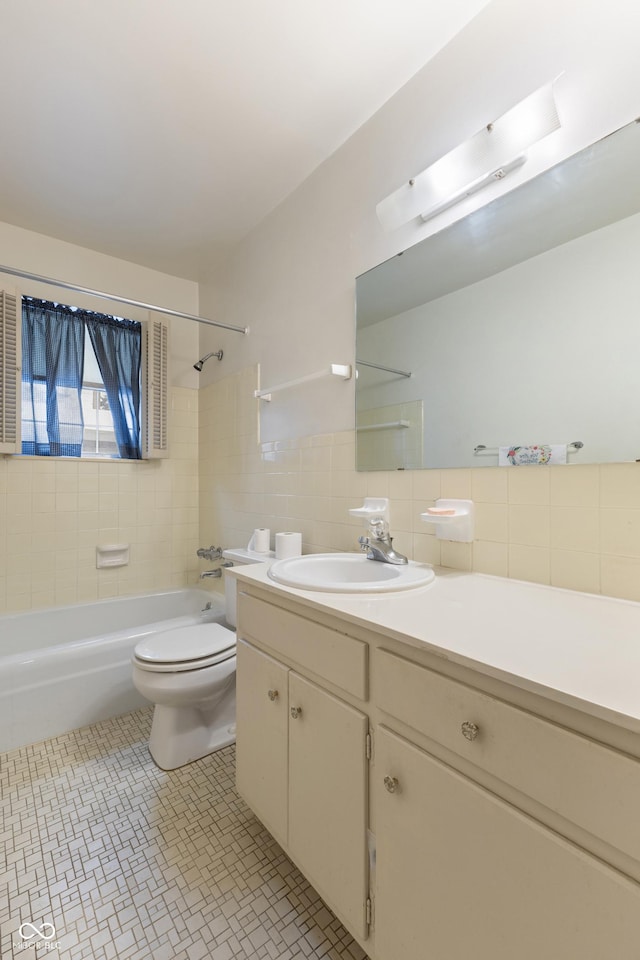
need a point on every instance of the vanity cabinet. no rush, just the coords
(503, 828)
(464, 872)
(461, 873)
(587, 783)
(302, 768)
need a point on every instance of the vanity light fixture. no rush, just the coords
(490, 155)
(498, 174)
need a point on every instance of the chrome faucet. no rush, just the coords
(215, 574)
(379, 545)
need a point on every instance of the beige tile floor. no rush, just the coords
(129, 862)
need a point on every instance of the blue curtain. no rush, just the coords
(52, 364)
(117, 347)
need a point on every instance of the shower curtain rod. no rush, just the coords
(111, 296)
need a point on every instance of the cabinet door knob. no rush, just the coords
(391, 784)
(295, 712)
(273, 695)
(470, 730)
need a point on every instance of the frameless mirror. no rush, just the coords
(515, 326)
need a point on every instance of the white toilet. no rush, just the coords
(190, 675)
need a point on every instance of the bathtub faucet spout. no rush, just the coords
(217, 572)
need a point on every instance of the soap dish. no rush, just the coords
(453, 519)
(112, 555)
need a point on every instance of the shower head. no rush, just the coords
(200, 364)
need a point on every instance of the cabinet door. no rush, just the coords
(328, 798)
(261, 737)
(460, 874)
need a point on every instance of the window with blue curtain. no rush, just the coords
(80, 382)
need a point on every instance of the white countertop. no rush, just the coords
(579, 649)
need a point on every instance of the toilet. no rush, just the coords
(189, 673)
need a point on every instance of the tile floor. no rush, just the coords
(129, 862)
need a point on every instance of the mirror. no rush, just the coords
(516, 326)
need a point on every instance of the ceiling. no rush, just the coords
(162, 132)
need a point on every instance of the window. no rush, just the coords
(67, 355)
(91, 384)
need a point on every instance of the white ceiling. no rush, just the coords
(162, 131)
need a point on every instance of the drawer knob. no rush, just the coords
(391, 784)
(295, 712)
(273, 695)
(470, 730)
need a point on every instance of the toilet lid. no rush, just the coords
(186, 644)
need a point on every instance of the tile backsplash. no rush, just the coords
(576, 527)
(54, 512)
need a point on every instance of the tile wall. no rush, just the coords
(53, 514)
(577, 527)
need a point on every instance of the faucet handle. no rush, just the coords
(209, 553)
(364, 543)
(379, 527)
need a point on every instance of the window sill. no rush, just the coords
(29, 456)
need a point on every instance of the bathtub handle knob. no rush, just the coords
(295, 712)
(273, 695)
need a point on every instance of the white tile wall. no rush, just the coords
(577, 527)
(53, 514)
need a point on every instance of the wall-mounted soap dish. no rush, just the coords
(453, 519)
(372, 507)
(112, 555)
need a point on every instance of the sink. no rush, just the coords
(348, 573)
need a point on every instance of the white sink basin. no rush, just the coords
(348, 573)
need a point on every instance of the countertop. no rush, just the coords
(579, 649)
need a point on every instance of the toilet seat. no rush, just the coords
(186, 648)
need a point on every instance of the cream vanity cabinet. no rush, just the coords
(506, 825)
(463, 873)
(302, 750)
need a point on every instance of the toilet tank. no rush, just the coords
(239, 556)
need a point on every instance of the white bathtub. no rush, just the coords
(64, 668)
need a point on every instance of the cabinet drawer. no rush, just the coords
(337, 658)
(593, 786)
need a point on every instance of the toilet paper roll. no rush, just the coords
(260, 539)
(288, 544)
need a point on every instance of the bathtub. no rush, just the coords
(63, 668)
